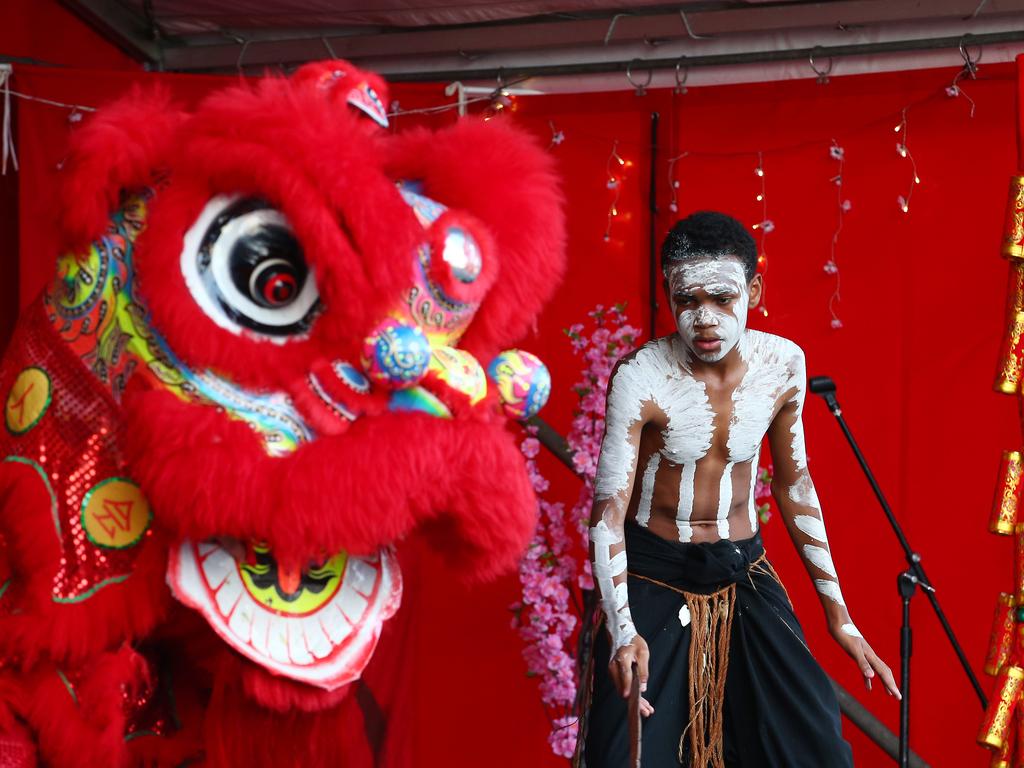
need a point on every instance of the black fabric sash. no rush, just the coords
(701, 568)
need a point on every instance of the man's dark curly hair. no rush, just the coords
(709, 234)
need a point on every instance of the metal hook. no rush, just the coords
(821, 73)
(977, 10)
(611, 27)
(327, 45)
(457, 88)
(241, 53)
(681, 81)
(641, 88)
(970, 63)
(689, 29)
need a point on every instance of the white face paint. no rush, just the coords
(709, 300)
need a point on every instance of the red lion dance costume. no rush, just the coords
(255, 372)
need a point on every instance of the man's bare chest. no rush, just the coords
(695, 419)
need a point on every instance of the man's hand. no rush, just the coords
(853, 643)
(621, 669)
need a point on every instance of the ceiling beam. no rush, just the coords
(127, 30)
(471, 43)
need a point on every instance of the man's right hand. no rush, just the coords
(621, 665)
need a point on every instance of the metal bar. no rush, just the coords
(116, 22)
(652, 225)
(873, 728)
(718, 60)
(852, 709)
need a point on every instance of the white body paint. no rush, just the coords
(643, 513)
(685, 506)
(820, 559)
(830, 589)
(614, 596)
(751, 503)
(660, 375)
(725, 500)
(812, 526)
(654, 376)
(851, 630)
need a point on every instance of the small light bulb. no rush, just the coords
(615, 211)
(760, 198)
(621, 161)
(898, 127)
(759, 171)
(917, 179)
(903, 153)
(906, 208)
(764, 311)
(756, 226)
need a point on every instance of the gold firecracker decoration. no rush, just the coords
(1018, 746)
(1002, 729)
(1011, 360)
(1001, 642)
(1018, 533)
(995, 729)
(1008, 488)
(1013, 237)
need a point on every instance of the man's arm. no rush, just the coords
(616, 472)
(798, 504)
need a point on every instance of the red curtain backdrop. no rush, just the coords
(922, 304)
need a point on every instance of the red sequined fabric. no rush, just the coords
(70, 439)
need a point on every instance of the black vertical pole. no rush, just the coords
(653, 205)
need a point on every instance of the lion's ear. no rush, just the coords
(501, 177)
(123, 146)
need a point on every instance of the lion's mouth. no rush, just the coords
(318, 626)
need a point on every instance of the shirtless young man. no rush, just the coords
(726, 675)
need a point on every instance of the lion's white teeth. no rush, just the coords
(327, 647)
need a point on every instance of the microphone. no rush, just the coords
(823, 386)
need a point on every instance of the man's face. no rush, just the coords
(709, 299)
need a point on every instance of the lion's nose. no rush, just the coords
(333, 394)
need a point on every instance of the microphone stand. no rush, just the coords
(906, 583)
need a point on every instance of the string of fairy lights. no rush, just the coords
(765, 227)
(843, 206)
(618, 164)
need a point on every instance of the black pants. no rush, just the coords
(779, 709)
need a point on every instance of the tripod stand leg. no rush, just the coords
(906, 583)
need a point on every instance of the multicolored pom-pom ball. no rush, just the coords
(396, 355)
(523, 382)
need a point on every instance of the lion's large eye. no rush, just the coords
(246, 269)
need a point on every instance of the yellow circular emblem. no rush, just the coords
(27, 401)
(292, 592)
(115, 514)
